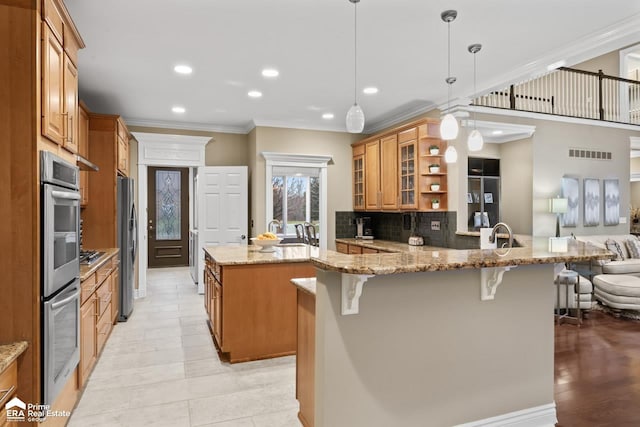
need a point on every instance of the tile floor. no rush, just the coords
(160, 368)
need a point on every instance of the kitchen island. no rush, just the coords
(437, 337)
(250, 303)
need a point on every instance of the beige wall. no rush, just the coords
(296, 141)
(224, 149)
(516, 172)
(492, 358)
(551, 162)
(609, 64)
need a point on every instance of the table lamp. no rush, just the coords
(558, 206)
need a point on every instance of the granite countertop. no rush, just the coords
(453, 259)
(88, 270)
(387, 245)
(307, 284)
(245, 255)
(10, 352)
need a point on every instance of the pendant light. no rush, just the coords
(449, 124)
(475, 140)
(355, 115)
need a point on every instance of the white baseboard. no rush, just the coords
(538, 416)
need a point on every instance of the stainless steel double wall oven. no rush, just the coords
(60, 256)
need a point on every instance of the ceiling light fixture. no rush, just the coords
(178, 109)
(254, 94)
(270, 72)
(449, 124)
(355, 115)
(370, 90)
(183, 69)
(475, 141)
(497, 132)
(327, 116)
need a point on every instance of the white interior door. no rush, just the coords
(223, 215)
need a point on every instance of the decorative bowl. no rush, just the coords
(265, 245)
(434, 169)
(435, 187)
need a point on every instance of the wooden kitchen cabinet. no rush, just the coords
(358, 178)
(396, 169)
(98, 313)
(53, 99)
(355, 250)
(100, 226)
(253, 308)
(8, 389)
(88, 348)
(83, 150)
(343, 248)
(305, 357)
(381, 174)
(59, 98)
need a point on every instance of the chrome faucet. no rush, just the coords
(492, 238)
(276, 222)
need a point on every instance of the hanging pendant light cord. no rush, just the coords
(355, 53)
(475, 93)
(448, 65)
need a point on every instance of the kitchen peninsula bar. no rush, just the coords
(438, 338)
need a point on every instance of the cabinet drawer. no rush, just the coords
(8, 384)
(87, 287)
(103, 328)
(369, 251)
(104, 271)
(104, 296)
(343, 248)
(354, 250)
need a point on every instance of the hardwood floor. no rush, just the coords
(597, 372)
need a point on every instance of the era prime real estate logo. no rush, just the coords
(18, 411)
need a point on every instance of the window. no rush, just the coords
(296, 197)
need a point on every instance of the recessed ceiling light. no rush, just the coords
(178, 110)
(497, 132)
(370, 90)
(183, 69)
(327, 116)
(254, 94)
(270, 72)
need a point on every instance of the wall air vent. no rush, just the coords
(581, 153)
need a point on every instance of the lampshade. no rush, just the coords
(449, 128)
(558, 205)
(475, 141)
(355, 119)
(451, 155)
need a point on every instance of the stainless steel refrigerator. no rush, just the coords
(127, 242)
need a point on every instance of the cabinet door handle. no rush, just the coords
(70, 133)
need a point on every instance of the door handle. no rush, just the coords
(243, 237)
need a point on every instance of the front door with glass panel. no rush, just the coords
(168, 208)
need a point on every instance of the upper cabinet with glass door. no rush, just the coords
(418, 179)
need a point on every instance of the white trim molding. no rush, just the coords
(537, 416)
(205, 127)
(156, 149)
(300, 160)
(500, 132)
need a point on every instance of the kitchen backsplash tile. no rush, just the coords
(396, 227)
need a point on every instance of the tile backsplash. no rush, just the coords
(397, 227)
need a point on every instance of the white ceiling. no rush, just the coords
(132, 47)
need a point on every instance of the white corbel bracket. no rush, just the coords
(351, 290)
(490, 279)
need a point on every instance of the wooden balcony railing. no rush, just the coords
(572, 93)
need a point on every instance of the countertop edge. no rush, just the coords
(426, 267)
(92, 268)
(230, 263)
(306, 285)
(10, 352)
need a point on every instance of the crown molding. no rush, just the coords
(289, 125)
(205, 127)
(317, 160)
(635, 177)
(392, 119)
(634, 142)
(509, 131)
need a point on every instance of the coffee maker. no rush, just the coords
(364, 229)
